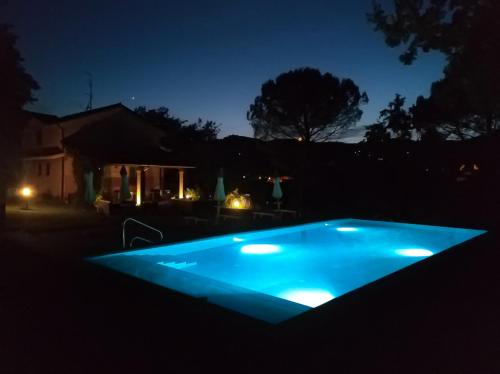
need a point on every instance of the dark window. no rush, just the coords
(47, 169)
(39, 137)
(39, 170)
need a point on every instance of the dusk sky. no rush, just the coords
(204, 59)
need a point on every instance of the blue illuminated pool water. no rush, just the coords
(276, 274)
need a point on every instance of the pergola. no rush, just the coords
(140, 170)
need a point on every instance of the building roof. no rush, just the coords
(120, 139)
(43, 117)
(43, 153)
(93, 111)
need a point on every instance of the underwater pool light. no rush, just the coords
(312, 297)
(260, 249)
(237, 240)
(346, 229)
(414, 252)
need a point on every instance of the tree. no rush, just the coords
(463, 104)
(307, 105)
(377, 133)
(201, 130)
(396, 119)
(161, 118)
(426, 118)
(468, 97)
(453, 27)
(196, 131)
(17, 87)
(441, 114)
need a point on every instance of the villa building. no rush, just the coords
(110, 137)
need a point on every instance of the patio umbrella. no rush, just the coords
(124, 186)
(89, 193)
(219, 194)
(277, 193)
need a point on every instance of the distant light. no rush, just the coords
(312, 297)
(260, 249)
(414, 252)
(26, 192)
(236, 239)
(346, 229)
(244, 176)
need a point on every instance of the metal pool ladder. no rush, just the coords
(124, 225)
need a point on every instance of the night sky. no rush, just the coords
(204, 59)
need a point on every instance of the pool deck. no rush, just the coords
(61, 315)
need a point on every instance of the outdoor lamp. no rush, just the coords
(26, 194)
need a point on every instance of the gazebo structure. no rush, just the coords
(148, 181)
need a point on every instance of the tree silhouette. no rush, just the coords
(441, 113)
(468, 97)
(17, 87)
(427, 120)
(377, 133)
(453, 27)
(181, 129)
(161, 118)
(396, 119)
(201, 130)
(307, 105)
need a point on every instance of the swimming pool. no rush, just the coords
(276, 274)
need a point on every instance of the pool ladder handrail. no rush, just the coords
(130, 219)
